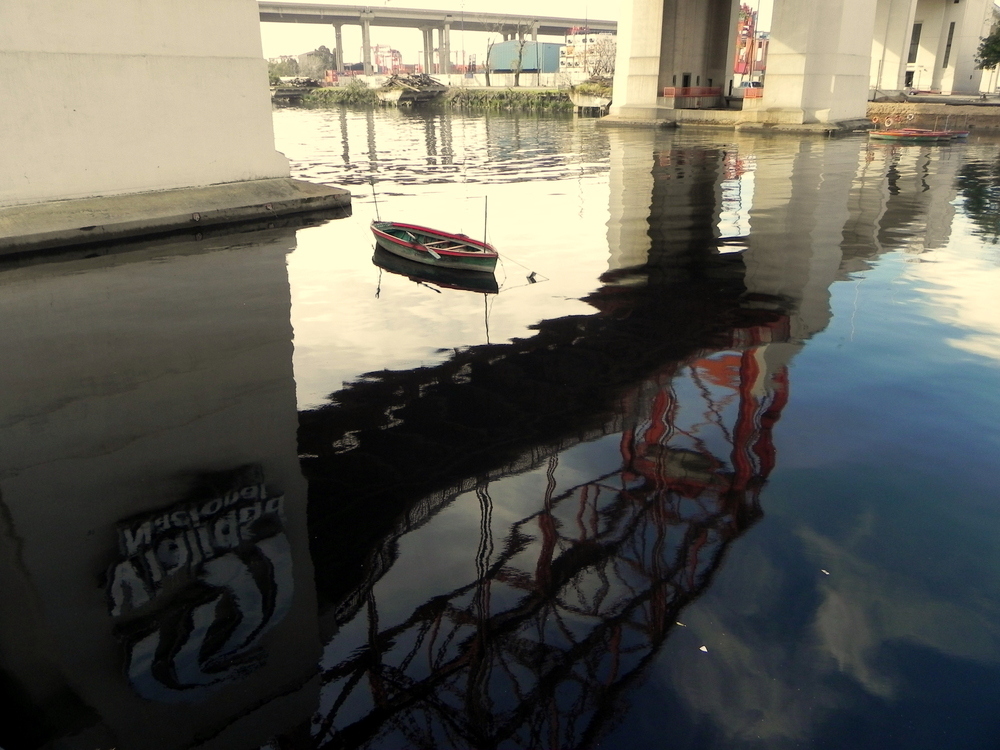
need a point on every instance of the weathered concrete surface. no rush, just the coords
(927, 115)
(53, 224)
(664, 117)
(129, 379)
(129, 96)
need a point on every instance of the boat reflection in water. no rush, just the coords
(447, 278)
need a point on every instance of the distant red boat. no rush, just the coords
(434, 247)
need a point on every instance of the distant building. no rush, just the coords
(526, 57)
(751, 47)
(588, 52)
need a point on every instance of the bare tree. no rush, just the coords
(488, 64)
(602, 54)
(518, 64)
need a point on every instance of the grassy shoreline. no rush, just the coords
(477, 98)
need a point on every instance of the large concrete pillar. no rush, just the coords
(446, 47)
(671, 43)
(148, 108)
(339, 51)
(891, 44)
(428, 50)
(637, 61)
(818, 63)
(964, 24)
(366, 43)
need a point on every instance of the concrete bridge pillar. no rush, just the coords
(339, 51)
(818, 62)
(428, 50)
(683, 43)
(637, 65)
(366, 41)
(962, 26)
(891, 45)
(446, 47)
(153, 116)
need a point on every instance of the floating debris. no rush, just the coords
(704, 648)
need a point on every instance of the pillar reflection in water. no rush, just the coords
(571, 601)
(159, 587)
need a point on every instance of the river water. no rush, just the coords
(713, 467)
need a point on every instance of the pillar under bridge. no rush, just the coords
(133, 116)
(825, 59)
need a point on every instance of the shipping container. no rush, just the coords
(534, 57)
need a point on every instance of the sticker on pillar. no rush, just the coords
(198, 585)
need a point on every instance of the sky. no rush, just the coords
(294, 39)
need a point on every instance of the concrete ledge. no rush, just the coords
(722, 118)
(617, 121)
(42, 226)
(956, 114)
(806, 128)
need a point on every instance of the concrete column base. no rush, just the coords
(764, 120)
(43, 226)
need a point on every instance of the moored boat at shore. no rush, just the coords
(918, 135)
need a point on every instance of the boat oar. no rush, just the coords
(428, 249)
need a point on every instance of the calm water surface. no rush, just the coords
(720, 474)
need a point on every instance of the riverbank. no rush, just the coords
(510, 99)
(500, 99)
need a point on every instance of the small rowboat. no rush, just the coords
(434, 247)
(918, 135)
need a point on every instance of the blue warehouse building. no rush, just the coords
(535, 57)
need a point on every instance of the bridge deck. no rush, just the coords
(415, 19)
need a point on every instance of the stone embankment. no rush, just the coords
(977, 117)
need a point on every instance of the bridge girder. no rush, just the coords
(416, 19)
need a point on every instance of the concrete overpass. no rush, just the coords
(427, 21)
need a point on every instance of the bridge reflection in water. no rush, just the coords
(570, 602)
(575, 578)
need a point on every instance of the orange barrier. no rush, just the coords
(674, 91)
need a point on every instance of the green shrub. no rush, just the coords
(354, 92)
(508, 99)
(594, 89)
